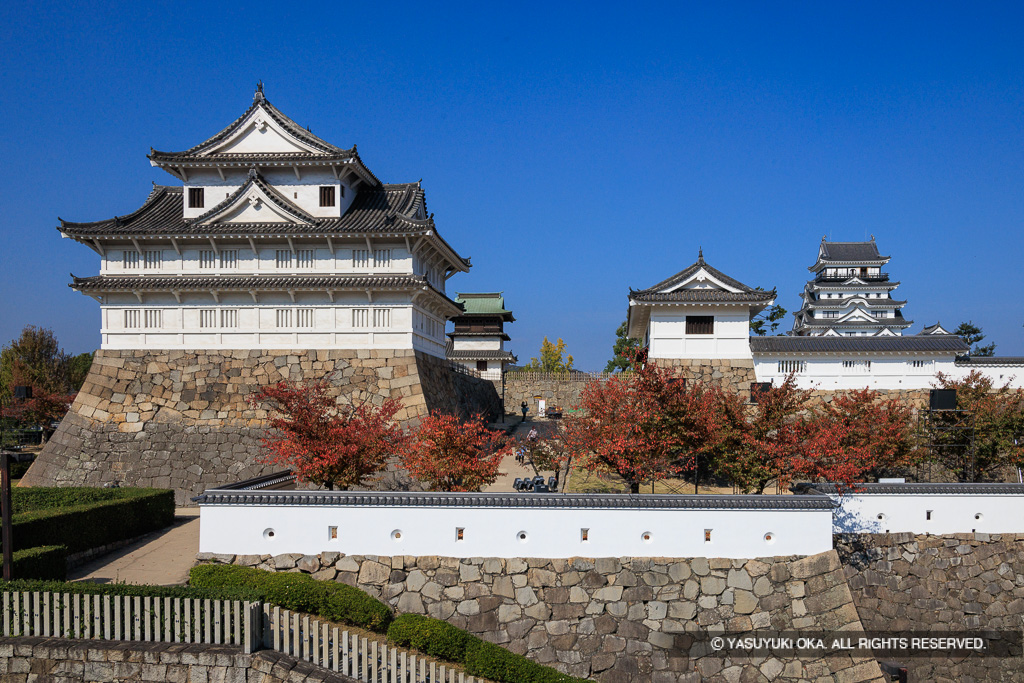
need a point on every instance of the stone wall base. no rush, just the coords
(617, 620)
(180, 419)
(95, 661)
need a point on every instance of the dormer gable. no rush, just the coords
(255, 202)
(260, 133)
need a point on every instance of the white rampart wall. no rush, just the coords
(513, 532)
(929, 513)
(838, 372)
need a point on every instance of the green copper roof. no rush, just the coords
(483, 303)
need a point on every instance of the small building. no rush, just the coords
(699, 320)
(849, 296)
(477, 341)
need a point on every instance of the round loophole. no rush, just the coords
(268, 534)
(978, 516)
(396, 535)
(521, 537)
(881, 516)
(646, 537)
(769, 537)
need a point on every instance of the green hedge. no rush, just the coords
(480, 658)
(299, 592)
(42, 562)
(84, 518)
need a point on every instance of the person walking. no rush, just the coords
(524, 408)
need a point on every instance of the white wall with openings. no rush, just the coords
(288, 526)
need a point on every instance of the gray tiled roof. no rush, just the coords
(851, 251)
(704, 295)
(991, 360)
(913, 489)
(512, 500)
(389, 209)
(879, 323)
(843, 303)
(687, 272)
(934, 343)
(129, 283)
(480, 354)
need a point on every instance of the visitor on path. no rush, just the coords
(524, 408)
(532, 436)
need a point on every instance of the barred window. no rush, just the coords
(360, 317)
(700, 324)
(304, 317)
(382, 317)
(284, 317)
(153, 318)
(381, 258)
(229, 317)
(152, 259)
(360, 258)
(195, 197)
(327, 195)
(207, 258)
(283, 258)
(207, 317)
(920, 363)
(132, 319)
(304, 258)
(229, 258)
(788, 366)
(130, 259)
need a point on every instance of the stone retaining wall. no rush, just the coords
(58, 661)
(961, 582)
(179, 419)
(616, 620)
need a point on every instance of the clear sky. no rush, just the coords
(573, 150)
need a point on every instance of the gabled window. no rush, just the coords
(700, 324)
(195, 197)
(327, 195)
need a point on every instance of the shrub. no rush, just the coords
(84, 518)
(442, 640)
(42, 562)
(299, 592)
(431, 636)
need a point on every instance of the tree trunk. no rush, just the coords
(634, 487)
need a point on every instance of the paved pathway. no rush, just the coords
(510, 467)
(161, 558)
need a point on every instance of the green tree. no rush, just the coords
(35, 359)
(624, 350)
(78, 369)
(972, 336)
(767, 320)
(552, 358)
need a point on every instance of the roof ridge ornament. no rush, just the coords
(258, 96)
(253, 173)
(700, 255)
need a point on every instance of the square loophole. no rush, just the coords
(332, 533)
(584, 535)
(460, 533)
(707, 535)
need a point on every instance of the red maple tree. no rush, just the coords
(854, 435)
(631, 425)
(450, 454)
(322, 441)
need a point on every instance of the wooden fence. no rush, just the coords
(250, 625)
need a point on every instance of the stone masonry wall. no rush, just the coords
(179, 419)
(960, 582)
(72, 661)
(615, 619)
(733, 374)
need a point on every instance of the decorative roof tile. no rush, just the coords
(130, 283)
(911, 489)
(703, 296)
(686, 273)
(480, 354)
(991, 360)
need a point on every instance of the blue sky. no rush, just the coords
(572, 150)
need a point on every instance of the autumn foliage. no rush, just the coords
(450, 454)
(322, 441)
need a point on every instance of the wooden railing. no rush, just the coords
(250, 625)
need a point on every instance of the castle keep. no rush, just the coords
(280, 256)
